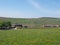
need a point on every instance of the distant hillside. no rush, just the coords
(33, 21)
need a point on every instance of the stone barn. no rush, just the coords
(18, 26)
(50, 25)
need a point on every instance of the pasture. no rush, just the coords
(47, 36)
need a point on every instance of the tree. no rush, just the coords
(5, 25)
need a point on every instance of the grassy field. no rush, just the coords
(30, 37)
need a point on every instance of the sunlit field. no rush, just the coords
(47, 36)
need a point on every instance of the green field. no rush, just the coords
(30, 37)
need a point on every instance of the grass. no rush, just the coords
(49, 36)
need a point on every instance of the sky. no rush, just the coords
(29, 8)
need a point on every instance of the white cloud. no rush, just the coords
(35, 4)
(44, 10)
(14, 14)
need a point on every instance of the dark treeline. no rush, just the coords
(5, 25)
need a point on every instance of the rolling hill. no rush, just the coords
(32, 21)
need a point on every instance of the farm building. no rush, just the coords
(16, 26)
(50, 25)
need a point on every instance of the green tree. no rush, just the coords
(5, 25)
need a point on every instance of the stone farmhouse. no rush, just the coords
(50, 25)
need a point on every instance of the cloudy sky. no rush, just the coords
(29, 8)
